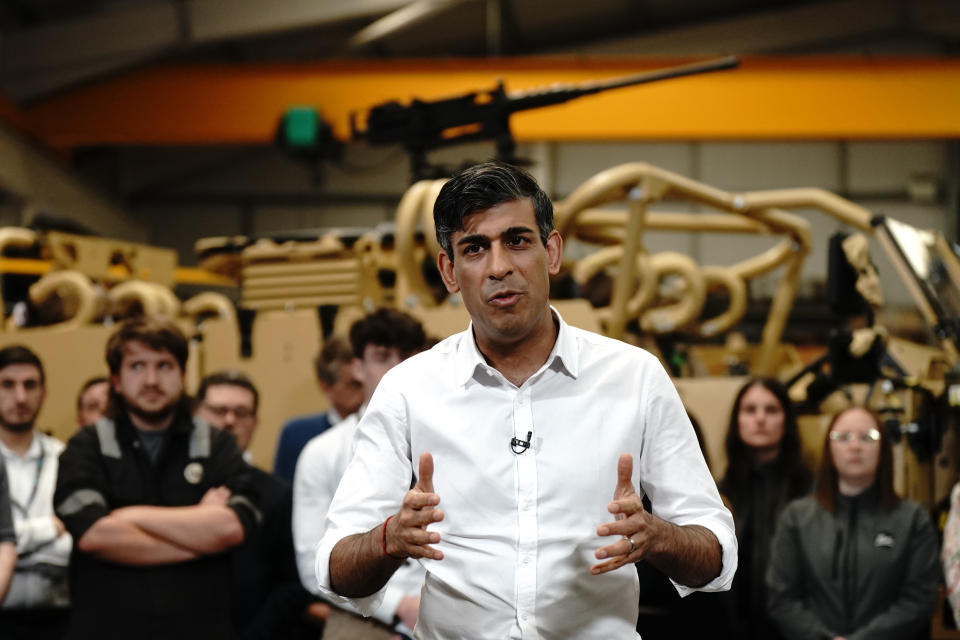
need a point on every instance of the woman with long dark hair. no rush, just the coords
(854, 560)
(764, 472)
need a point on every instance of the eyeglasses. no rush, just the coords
(847, 436)
(221, 411)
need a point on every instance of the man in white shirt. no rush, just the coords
(380, 341)
(38, 597)
(532, 443)
(8, 535)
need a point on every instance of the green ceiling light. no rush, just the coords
(301, 127)
(304, 134)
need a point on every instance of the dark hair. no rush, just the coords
(19, 354)
(89, 383)
(230, 377)
(735, 484)
(826, 487)
(388, 328)
(481, 187)
(335, 353)
(157, 332)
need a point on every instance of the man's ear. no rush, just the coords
(554, 248)
(445, 265)
(115, 383)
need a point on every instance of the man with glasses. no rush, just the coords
(267, 598)
(92, 400)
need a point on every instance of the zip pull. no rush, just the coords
(837, 546)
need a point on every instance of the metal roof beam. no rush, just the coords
(788, 30)
(77, 50)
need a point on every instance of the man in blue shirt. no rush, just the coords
(336, 379)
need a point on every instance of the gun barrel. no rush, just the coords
(522, 100)
(718, 64)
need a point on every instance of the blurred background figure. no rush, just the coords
(343, 391)
(381, 340)
(267, 600)
(8, 535)
(92, 400)
(854, 560)
(154, 499)
(764, 472)
(37, 603)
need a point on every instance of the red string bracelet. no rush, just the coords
(383, 540)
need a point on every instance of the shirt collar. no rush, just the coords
(564, 354)
(33, 451)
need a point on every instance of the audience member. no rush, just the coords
(764, 472)
(267, 599)
(381, 340)
(8, 535)
(153, 498)
(37, 602)
(853, 561)
(343, 391)
(92, 400)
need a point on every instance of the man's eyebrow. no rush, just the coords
(515, 231)
(475, 238)
(479, 238)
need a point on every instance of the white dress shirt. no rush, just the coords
(519, 530)
(40, 578)
(319, 468)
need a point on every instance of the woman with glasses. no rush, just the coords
(764, 473)
(854, 560)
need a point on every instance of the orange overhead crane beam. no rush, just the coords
(10, 114)
(765, 99)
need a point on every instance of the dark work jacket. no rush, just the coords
(268, 599)
(863, 573)
(755, 516)
(103, 468)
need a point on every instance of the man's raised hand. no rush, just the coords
(633, 525)
(406, 534)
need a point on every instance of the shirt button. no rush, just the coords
(526, 560)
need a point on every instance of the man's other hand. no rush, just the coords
(406, 533)
(637, 529)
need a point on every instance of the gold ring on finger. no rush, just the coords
(633, 545)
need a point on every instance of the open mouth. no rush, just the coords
(504, 298)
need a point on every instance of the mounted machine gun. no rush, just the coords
(422, 126)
